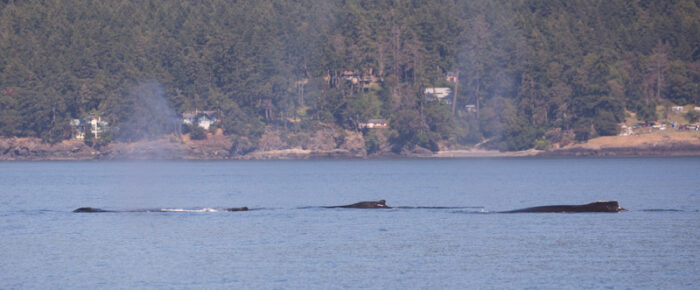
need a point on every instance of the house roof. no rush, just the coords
(193, 114)
(376, 121)
(431, 90)
(438, 92)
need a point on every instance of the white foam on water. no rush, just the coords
(206, 209)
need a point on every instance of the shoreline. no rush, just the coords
(671, 144)
(481, 153)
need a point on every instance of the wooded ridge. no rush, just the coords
(511, 75)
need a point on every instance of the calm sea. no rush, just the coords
(288, 241)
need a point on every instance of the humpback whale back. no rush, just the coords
(364, 204)
(89, 209)
(598, 206)
(245, 208)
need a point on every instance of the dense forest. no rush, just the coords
(534, 72)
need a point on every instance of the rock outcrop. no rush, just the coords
(35, 149)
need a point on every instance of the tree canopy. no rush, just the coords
(530, 68)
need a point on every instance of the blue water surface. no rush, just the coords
(288, 240)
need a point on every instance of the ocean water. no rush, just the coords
(289, 241)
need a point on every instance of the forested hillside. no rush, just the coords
(535, 72)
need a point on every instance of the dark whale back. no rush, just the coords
(364, 204)
(245, 208)
(598, 206)
(89, 209)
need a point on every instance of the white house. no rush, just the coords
(438, 94)
(77, 129)
(94, 123)
(203, 119)
(374, 124)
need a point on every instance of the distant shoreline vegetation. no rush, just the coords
(219, 147)
(361, 77)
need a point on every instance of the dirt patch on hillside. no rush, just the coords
(662, 143)
(653, 139)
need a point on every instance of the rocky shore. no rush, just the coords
(219, 147)
(215, 147)
(669, 149)
(34, 149)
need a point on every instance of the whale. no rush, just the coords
(597, 206)
(93, 210)
(90, 209)
(363, 204)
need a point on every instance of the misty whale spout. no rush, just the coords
(93, 209)
(598, 206)
(364, 204)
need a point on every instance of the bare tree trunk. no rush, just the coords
(454, 96)
(381, 60)
(53, 121)
(421, 110)
(396, 45)
(478, 85)
(659, 59)
(303, 80)
(659, 78)
(413, 75)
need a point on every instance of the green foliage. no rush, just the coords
(520, 135)
(606, 124)
(691, 116)
(242, 145)
(495, 115)
(372, 143)
(440, 122)
(527, 65)
(647, 112)
(582, 132)
(411, 130)
(597, 114)
(198, 133)
(358, 109)
(683, 84)
(10, 119)
(89, 139)
(186, 128)
(235, 121)
(104, 139)
(542, 144)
